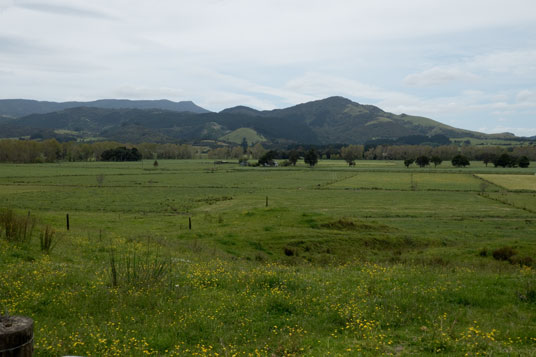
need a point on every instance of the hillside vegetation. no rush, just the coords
(327, 121)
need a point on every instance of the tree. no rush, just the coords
(422, 161)
(460, 161)
(121, 154)
(505, 160)
(408, 162)
(311, 158)
(351, 153)
(523, 162)
(244, 145)
(487, 157)
(268, 159)
(436, 160)
(293, 157)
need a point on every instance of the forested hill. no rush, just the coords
(16, 108)
(331, 120)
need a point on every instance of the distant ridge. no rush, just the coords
(334, 120)
(16, 108)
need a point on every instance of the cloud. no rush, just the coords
(18, 45)
(61, 9)
(526, 97)
(5, 4)
(141, 92)
(518, 62)
(438, 76)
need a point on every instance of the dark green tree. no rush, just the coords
(523, 162)
(268, 159)
(422, 161)
(436, 160)
(311, 157)
(293, 157)
(121, 154)
(408, 162)
(244, 145)
(505, 160)
(460, 161)
(487, 157)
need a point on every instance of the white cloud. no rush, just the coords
(438, 76)
(518, 62)
(275, 53)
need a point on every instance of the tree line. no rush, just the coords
(31, 151)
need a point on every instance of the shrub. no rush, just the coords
(289, 252)
(522, 261)
(504, 253)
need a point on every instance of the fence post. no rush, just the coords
(67, 217)
(16, 336)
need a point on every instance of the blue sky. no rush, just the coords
(470, 64)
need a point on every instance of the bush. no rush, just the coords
(522, 261)
(504, 253)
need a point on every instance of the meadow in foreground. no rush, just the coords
(376, 259)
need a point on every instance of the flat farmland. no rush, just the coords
(512, 182)
(197, 258)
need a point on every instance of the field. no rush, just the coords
(512, 182)
(193, 258)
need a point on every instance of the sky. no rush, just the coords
(469, 64)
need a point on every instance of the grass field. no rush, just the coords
(512, 182)
(376, 259)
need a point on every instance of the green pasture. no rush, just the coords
(512, 182)
(375, 259)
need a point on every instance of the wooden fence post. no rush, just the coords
(189, 223)
(67, 217)
(16, 336)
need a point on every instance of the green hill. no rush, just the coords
(236, 136)
(327, 121)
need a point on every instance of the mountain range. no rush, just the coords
(326, 121)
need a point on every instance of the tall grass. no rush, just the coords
(16, 228)
(139, 271)
(46, 239)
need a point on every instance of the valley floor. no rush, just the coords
(193, 258)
